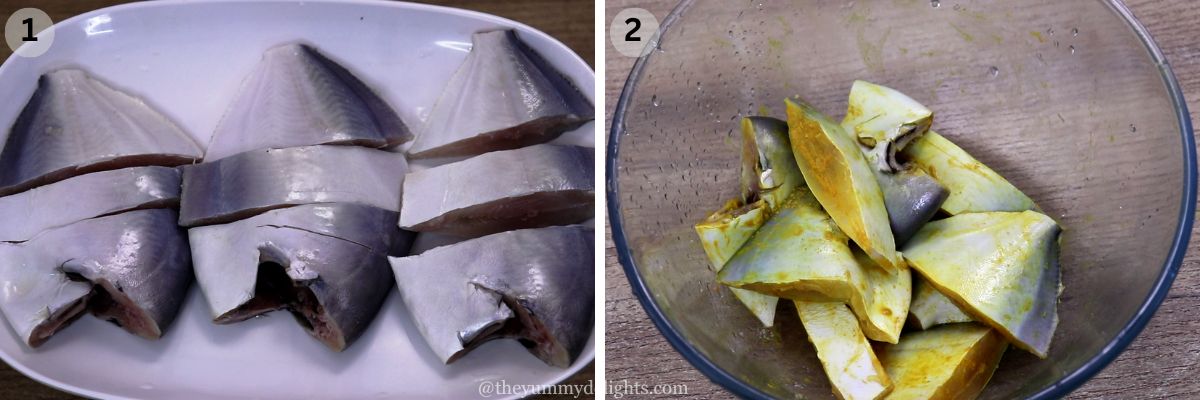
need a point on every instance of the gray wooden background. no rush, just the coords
(1159, 364)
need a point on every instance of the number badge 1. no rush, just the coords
(29, 32)
(634, 32)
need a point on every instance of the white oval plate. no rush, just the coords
(187, 60)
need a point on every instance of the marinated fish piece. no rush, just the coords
(131, 268)
(1001, 268)
(930, 308)
(952, 362)
(769, 176)
(853, 370)
(325, 263)
(912, 198)
(86, 196)
(298, 97)
(531, 187)
(75, 124)
(533, 285)
(503, 96)
(769, 169)
(800, 254)
(885, 121)
(722, 234)
(250, 183)
(842, 181)
(973, 186)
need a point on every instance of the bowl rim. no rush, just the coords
(1060, 388)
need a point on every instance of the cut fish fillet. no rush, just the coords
(253, 182)
(532, 187)
(849, 362)
(86, 196)
(325, 263)
(75, 124)
(298, 97)
(1001, 268)
(131, 268)
(504, 96)
(534, 285)
(800, 254)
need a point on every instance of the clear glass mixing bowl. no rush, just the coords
(1070, 100)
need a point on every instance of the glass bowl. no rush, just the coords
(1070, 100)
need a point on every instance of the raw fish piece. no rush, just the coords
(930, 308)
(75, 124)
(842, 181)
(531, 187)
(503, 96)
(86, 196)
(1001, 268)
(325, 263)
(722, 234)
(885, 121)
(298, 97)
(952, 362)
(534, 285)
(801, 255)
(253, 182)
(973, 186)
(847, 357)
(131, 268)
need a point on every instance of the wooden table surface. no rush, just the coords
(569, 21)
(1159, 364)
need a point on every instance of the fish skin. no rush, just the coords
(105, 193)
(931, 308)
(297, 96)
(138, 259)
(548, 184)
(530, 284)
(503, 96)
(972, 185)
(75, 124)
(250, 183)
(1001, 268)
(349, 277)
(912, 198)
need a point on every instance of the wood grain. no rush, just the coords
(1157, 365)
(569, 21)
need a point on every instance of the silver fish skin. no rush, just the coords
(74, 124)
(250, 183)
(531, 187)
(503, 96)
(534, 285)
(297, 96)
(912, 198)
(132, 268)
(87, 196)
(324, 263)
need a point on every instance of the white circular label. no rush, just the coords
(633, 32)
(29, 32)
